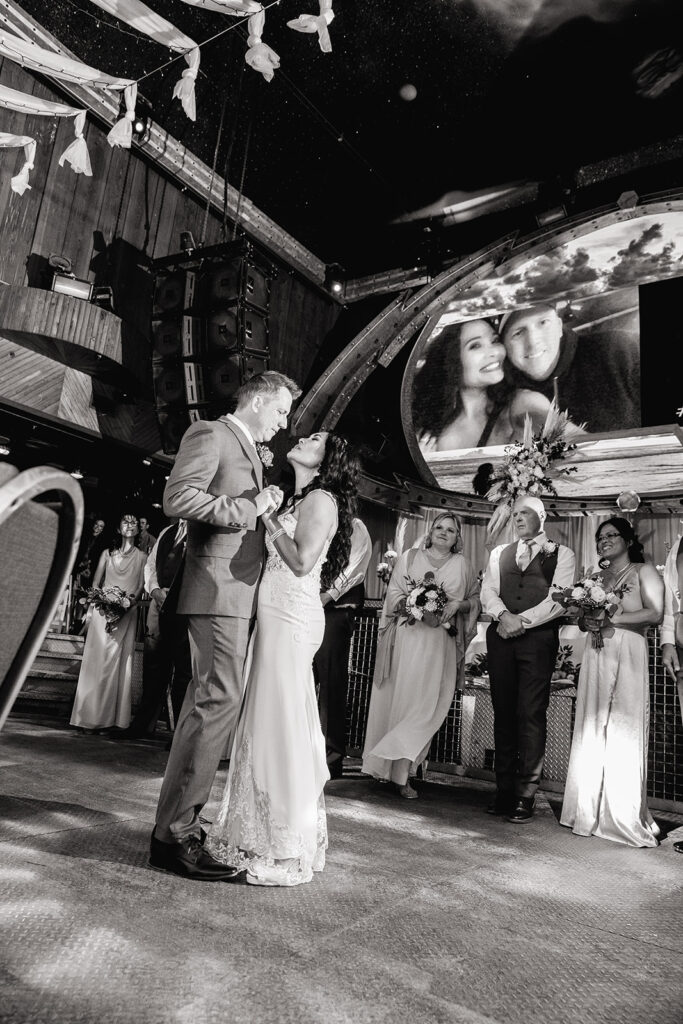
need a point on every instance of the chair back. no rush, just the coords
(38, 545)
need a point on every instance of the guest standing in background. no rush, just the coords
(103, 694)
(417, 665)
(522, 644)
(91, 547)
(341, 601)
(147, 539)
(606, 790)
(672, 626)
(166, 661)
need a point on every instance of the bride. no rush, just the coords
(272, 816)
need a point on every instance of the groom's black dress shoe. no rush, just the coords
(189, 859)
(678, 847)
(502, 804)
(524, 810)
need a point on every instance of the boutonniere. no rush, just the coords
(265, 454)
(549, 548)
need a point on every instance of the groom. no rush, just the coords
(522, 644)
(216, 484)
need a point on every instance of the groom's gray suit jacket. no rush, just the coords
(213, 484)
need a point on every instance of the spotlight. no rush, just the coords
(5, 447)
(146, 462)
(76, 474)
(334, 279)
(550, 216)
(627, 200)
(64, 281)
(187, 242)
(142, 125)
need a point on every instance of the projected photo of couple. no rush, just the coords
(476, 380)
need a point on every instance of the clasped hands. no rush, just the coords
(268, 500)
(511, 625)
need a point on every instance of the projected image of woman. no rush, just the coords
(460, 396)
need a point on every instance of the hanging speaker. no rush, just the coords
(237, 280)
(180, 337)
(173, 293)
(225, 377)
(254, 330)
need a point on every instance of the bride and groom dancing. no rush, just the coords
(271, 822)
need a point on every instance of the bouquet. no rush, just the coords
(112, 602)
(425, 601)
(529, 467)
(386, 566)
(593, 604)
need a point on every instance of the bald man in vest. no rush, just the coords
(522, 644)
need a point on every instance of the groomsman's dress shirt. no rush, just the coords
(150, 570)
(672, 596)
(547, 609)
(356, 567)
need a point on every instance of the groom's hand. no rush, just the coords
(268, 500)
(510, 625)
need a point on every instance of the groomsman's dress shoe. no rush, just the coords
(524, 810)
(189, 859)
(502, 804)
(336, 769)
(678, 847)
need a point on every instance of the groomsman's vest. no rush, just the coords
(521, 589)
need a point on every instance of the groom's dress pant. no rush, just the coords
(520, 670)
(218, 645)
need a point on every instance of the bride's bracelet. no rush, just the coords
(278, 533)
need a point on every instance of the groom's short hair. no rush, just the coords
(267, 383)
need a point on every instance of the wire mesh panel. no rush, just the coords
(466, 736)
(665, 750)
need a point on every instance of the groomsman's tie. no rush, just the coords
(525, 555)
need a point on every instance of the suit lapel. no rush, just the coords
(248, 449)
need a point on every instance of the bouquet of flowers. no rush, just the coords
(386, 566)
(593, 604)
(425, 601)
(528, 465)
(112, 602)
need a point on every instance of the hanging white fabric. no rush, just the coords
(122, 132)
(316, 23)
(57, 65)
(25, 103)
(259, 56)
(240, 8)
(139, 16)
(19, 183)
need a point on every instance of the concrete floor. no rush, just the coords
(427, 912)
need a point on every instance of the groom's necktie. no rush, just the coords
(525, 555)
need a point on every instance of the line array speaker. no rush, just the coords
(209, 332)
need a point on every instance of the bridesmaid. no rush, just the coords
(103, 694)
(606, 790)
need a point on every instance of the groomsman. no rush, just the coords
(522, 644)
(331, 662)
(672, 626)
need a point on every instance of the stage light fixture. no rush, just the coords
(66, 283)
(550, 216)
(334, 279)
(628, 200)
(187, 242)
(146, 462)
(5, 446)
(76, 474)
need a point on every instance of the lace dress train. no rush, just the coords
(272, 817)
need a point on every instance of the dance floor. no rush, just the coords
(430, 911)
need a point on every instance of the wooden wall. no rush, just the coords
(111, 225)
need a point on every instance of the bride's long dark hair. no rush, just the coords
(338, 474)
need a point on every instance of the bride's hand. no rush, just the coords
(450, 611)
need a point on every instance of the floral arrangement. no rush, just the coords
(265, 454)
(565, 668)
(386, 566)
(112, 602)
(528, 467)
(425, 601)
(593, 604)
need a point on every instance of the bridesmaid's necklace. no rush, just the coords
(619, 576)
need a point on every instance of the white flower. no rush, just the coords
(598, 595)
(382, 566)
(417, 613)
(430, 606)
(549, 548)
(578, 593)
(390, 553)
(538, 471)
(125, 602)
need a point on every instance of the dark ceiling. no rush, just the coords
(525, 91)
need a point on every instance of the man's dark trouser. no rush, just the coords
(520, 670)
(331, 667)
(166, 662)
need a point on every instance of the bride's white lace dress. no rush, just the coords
(272, 816)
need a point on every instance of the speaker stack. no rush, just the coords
(209, 332)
